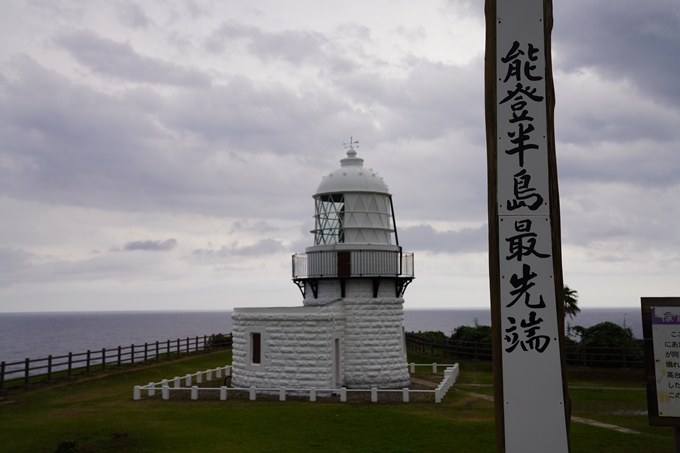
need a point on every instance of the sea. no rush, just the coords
(38, 335)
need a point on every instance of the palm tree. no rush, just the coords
(570, 301)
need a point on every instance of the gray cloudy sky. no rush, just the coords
(162, 154)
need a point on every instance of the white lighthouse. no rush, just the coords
(350, 330)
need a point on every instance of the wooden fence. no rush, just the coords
(25, 372)
(618, 357)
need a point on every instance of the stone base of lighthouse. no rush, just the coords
(356, 341)
(375, 350)
(299, 347)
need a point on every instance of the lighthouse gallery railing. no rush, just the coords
(355, 263)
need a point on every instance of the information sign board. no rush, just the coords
(661, 332)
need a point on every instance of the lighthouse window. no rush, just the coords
(256, 348)
(330, 218)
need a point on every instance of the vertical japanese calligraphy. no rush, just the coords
(527, 290)
(522, 142)
(533, 393)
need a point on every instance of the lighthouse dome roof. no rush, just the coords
(352, 177)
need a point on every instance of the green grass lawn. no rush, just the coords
(97, 414)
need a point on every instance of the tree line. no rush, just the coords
(603, 335)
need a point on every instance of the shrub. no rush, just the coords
(594, 340)
(474, 333)
(464, 337)
(436, 335)
(603, 335)
(219, 341)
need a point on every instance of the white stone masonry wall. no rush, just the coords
(328, 291)
(297, 347)
(374, 346)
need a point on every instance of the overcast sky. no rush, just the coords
(162, 155)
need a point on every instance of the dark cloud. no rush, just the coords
(263, 247)
(413, 34)
(149, 245)
(220, 149)
(425, 238)
(622, 219)
(260, 248)
(12, 259)
(195, 10)
(259, 227)
(19, 266)
(424, 105)
(293, 46)
(51, 9)
(60, 138)
(622, 40)
(67, 143)
(617, 93)
(259, 117)
(119, 60)
(644, 164)
(132, 14)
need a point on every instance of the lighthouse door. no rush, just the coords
(344, 264)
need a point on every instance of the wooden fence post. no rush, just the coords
(585, 356)
(70, 364)
(205, 343)
(49, 368)
(157, 353)
(103, 359)
(119, 356)
(179, 350)
(146, 348)
(27, 367)
(132, 354)
(623, 351)
(2, 378)
(87, 363)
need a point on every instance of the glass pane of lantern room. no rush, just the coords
(330, 218)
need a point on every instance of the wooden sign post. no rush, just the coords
(525, 262)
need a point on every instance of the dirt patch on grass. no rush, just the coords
(116, 442)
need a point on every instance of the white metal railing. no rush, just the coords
(175, 385)
(361, 263)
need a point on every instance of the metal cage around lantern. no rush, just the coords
(309, 268)
(353, 264)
